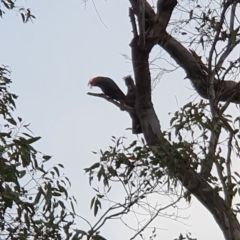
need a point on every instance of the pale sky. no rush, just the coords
(52, 60)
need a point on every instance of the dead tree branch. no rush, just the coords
(133, 22)
(121, 106)
(138, 7)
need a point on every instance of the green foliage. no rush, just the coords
(25, 13)
(188, 237)
(142, 170)
(96, 204)
(33, 200)
(193, 126)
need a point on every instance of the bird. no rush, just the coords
(108, 87)
(130, 101)
(111, 89)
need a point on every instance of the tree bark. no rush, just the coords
(189, 178)
(143, 105)
(196, 71)
(224, 216)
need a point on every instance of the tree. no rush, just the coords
(200, 163)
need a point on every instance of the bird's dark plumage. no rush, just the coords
(111, 89)
(108, 87)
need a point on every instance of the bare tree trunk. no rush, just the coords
(224, 216)
(143, 105)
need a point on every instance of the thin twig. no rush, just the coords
(211, 73)
(125, 211)
(216, 38)
(103, 216)
(155, 215)
(225, 55)
(215, 132)
(98, 14)
(229, 68)
(232, 16)
(228, 162)
(84, 220)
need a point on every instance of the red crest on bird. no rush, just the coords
(92, 82)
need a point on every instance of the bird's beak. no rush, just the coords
(89, 84)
